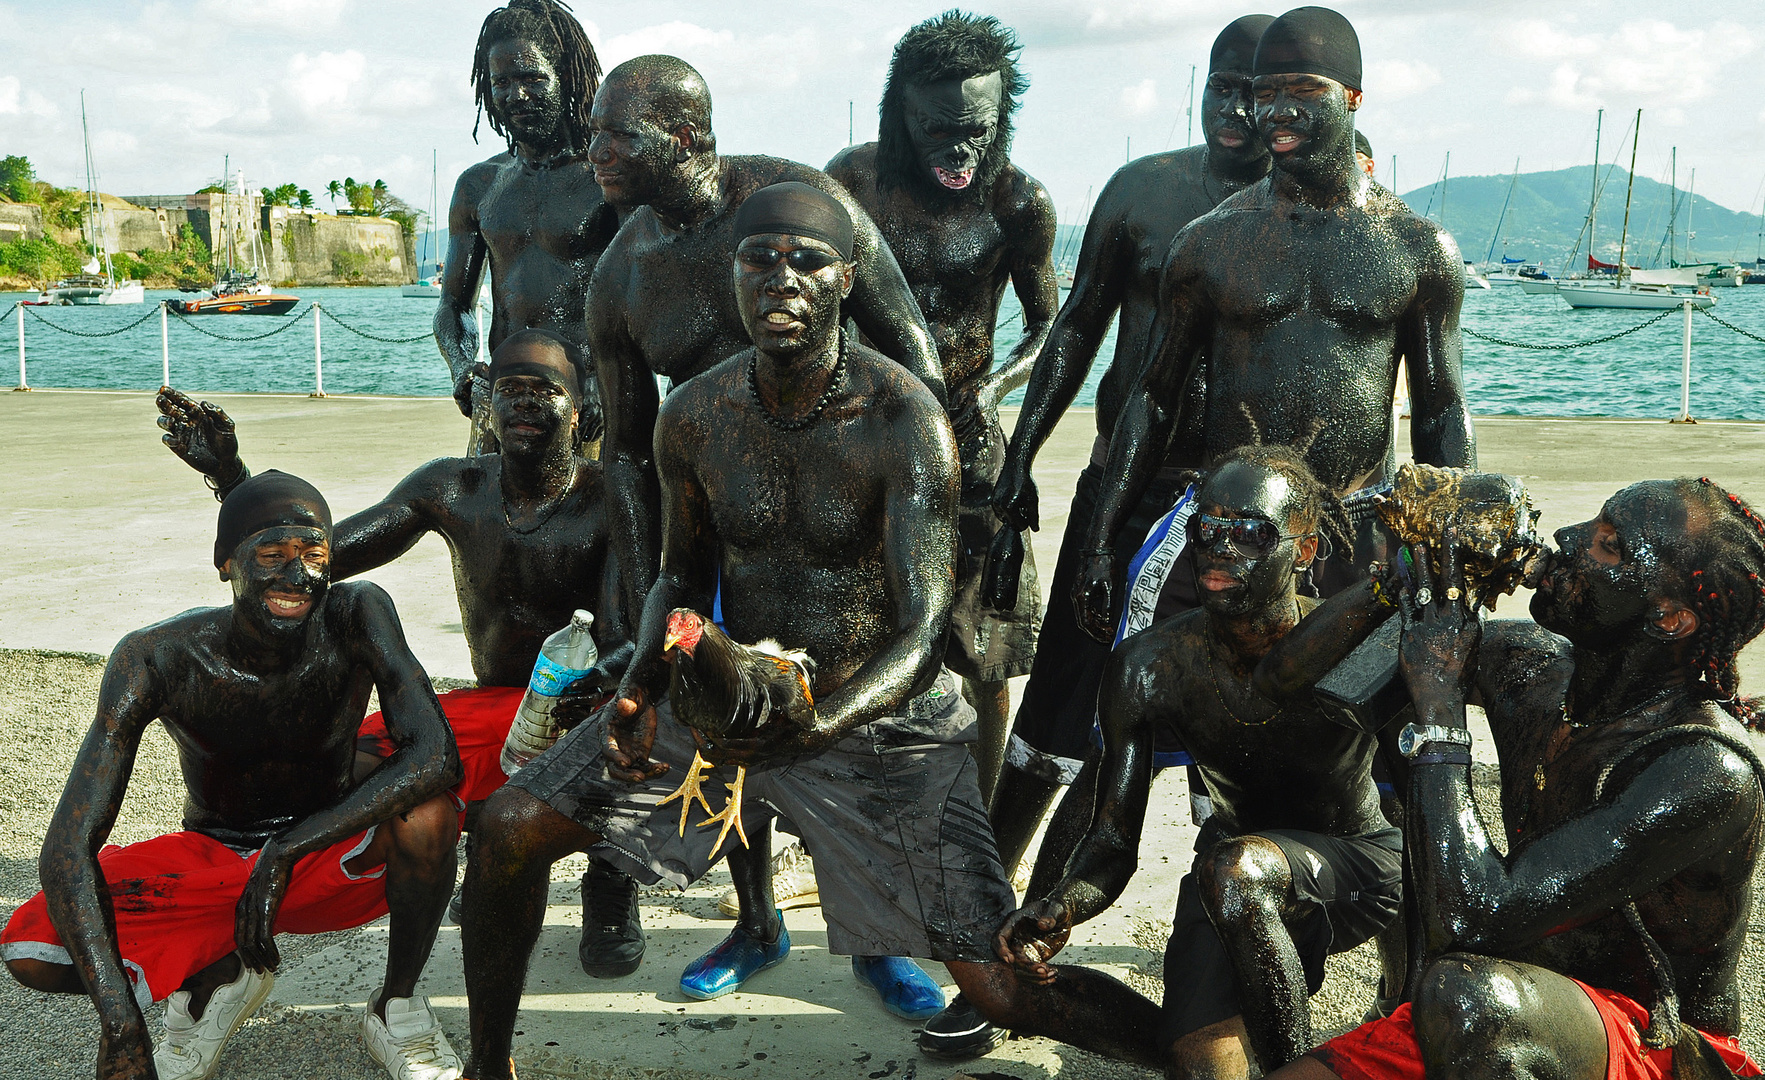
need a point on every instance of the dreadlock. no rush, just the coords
(1311, 499)
(549, 25)
(1728, 594)
(954, 45)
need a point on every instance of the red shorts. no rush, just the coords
(480, 718)
(175, 898)
(1387, 1049)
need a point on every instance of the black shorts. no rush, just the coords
(1052, 731)
(1349, 889)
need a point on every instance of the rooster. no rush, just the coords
(724, 689)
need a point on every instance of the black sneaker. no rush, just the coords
(455, 906)
(612, 937)
(959, 1032)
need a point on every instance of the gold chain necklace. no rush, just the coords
(1213, 673)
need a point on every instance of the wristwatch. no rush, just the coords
(1415, 736)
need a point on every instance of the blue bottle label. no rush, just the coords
(550, 678)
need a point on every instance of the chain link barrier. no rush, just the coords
(1576, 344)
(376, 337)
(10, 312)
(293, 321)
(148, 314)
(1720, 321)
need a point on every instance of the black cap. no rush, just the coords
(1311, 41)
(798, 209)
(1235, 48)
(266, 501)
(560, 364)
(1361, 145)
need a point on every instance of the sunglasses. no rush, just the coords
(1246, 534)
(802, 260)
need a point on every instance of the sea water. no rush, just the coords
(1637, 375)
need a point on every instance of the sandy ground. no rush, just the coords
(46, 704)
(806, 1018)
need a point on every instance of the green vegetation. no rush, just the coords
(187, 261)
(17, 178)
(288, 195)
(348, 264)
(375, 199)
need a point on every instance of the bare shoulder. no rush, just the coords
(854, 166)
(476, 180)
(1153, 660)
(888, 394)
(687, 409)
(162, 646)
(1520, 649)
(1023, 200)
(1423, 236)
(744, 174)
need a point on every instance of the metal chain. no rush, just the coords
(1720, 321)
(1572, 344)
(376, 337)
(293, 321)
(10, 312)
(150, 313)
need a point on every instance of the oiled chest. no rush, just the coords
(1346, 268)
(805, 491)
(558, 209)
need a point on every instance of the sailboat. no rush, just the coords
(1651, 290)
(1474, 279)
(237, 292)
(90, 286)
(427, 287)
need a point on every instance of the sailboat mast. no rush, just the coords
(1490, 254)
(1593, 198)
(1445, 171)
(1691, 199)
(1628, 188)
(1672, 211)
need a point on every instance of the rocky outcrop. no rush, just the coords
(308, 248)
(20, 221)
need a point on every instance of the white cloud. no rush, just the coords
(1390, 80)
(322, 82)
(1141, 98)
(15, 102)
(1648, 59)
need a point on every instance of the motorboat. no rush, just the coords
(1474, 278)
(424, 288)
(237, 294)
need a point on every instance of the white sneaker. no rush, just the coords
(410, 1042)
(191, 1049)
(793, 883)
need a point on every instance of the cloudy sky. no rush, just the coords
(315, 90)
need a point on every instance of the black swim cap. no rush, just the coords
(798, 209)
(265, 501)
(1235, 48)
(1361, 145)
(560, 364)
(1311, 41)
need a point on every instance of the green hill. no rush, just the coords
(1549, 208)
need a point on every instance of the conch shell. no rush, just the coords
(1493, 516)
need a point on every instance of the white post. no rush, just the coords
(1685, 369)
(318, 357)
(18, 312)
(165, 349)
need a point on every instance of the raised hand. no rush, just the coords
(1439, 650)
(200, 433)
(1031, 936)
(254, 920)
(464, 384)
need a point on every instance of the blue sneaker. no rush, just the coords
(906, 990)
(737, 959)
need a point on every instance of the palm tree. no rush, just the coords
(333, 189)
(305, 198)
(380, 194)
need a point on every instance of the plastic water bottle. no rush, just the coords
(566, 656)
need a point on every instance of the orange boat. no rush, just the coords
(237, 294)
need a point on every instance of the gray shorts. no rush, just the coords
(904, 855)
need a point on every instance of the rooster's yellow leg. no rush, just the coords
(693, 787)
(731, 814)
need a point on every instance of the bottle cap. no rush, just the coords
(582, 618)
